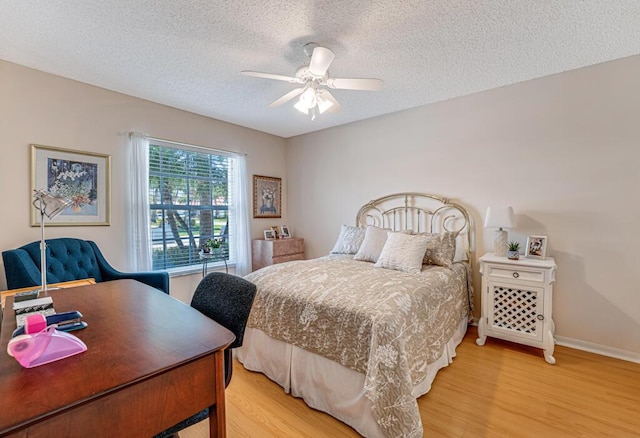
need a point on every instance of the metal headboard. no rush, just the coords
(419, 212)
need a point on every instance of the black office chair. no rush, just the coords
(226, 299)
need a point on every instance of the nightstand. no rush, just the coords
(271, 252)
(517, 300)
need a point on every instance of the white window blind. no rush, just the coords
(190, 194)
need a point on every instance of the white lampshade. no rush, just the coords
(499, 217)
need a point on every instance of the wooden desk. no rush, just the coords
(151, 362)
(11, 292)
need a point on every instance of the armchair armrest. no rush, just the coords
(20, 269)
(159, 280)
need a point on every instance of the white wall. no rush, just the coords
(37, 107)
(563, 151)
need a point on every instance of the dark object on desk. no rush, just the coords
(65, 321)
(69, 259)
(227, 300)
(26, 295)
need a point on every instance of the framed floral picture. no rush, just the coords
(267, 197)
(536, 247)
(82, 177)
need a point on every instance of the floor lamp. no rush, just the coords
(48, 205)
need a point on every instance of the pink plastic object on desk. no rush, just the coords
(45, 346)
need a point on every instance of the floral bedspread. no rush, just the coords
(383, 323)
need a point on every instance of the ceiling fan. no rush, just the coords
(314, 97)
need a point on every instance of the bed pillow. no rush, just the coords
(441, 248)
(349, 240)
(403, 252)
(374, 240)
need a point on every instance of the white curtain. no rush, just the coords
(137, 203)
(240, 213)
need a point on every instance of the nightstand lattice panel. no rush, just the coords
(515, 309)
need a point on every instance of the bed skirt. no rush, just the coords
(324, 384)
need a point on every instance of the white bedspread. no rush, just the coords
(385, 324)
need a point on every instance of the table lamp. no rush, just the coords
(48, 205)
(500, 217)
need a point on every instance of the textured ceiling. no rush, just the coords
(188, 53)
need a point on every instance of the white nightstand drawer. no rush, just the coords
(515, 273)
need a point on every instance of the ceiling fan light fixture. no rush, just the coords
(313, 96)
(309, 97)
(301, 106)
(323, 103)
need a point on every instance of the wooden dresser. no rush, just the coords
(271, 252)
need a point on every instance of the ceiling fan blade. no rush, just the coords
(336, 105)
(258, 74)
(355, 84)
(287, 97)
(321, 59)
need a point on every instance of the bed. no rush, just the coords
(362, 332)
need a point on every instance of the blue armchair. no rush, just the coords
(69, 259)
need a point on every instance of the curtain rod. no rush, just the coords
(177, 143)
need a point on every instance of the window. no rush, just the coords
(189, 199)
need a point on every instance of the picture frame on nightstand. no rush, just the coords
(536, 247)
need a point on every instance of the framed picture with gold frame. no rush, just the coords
(83, 177)
(267, 197)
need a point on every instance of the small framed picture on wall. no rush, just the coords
(536, 247)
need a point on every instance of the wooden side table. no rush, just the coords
(206, 257)
(271, 252)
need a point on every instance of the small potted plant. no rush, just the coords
(514, 251)
(214, 245)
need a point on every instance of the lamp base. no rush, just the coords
(500, 245)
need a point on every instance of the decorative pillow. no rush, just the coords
(441, 248)
(374, 239)
(349, 240)
(403, 252)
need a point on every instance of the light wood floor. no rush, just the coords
(498, 390)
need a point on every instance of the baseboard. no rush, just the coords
(603, 350)
(590, 347)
